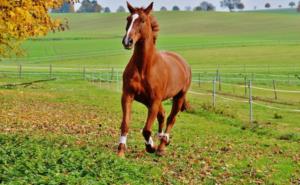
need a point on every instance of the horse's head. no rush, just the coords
(138, 25)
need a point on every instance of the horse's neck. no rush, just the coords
(144, 52)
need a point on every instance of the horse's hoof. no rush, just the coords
(160, 153)
(167, 143)
(121, 150)
(121, 154)
(150, 149)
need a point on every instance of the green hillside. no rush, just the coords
(240, 38)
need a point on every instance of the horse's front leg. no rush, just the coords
(152, 114)
(127, 100)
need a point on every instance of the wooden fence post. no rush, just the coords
(83, 73)
(20, 71)
(245, 79)
(199, 79)
(217, 74)
(250, 103)
(107, 76)
(220, 83)
(100, 80)
(112, 75)
(214, 93)
(50, 70)
(117, 81)
(274, 88)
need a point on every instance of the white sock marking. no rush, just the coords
(123, 140)
(134, 17)
(150, 142)
(167, 136)
(160, 135)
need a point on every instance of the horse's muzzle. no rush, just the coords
(127, 43)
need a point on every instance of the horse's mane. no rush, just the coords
(155, 27)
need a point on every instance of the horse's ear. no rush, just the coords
(130, 8)
(149, 9)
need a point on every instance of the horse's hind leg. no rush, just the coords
(178, 102)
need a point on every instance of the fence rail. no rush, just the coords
(244, 80)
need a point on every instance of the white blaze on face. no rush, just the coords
(134, 17)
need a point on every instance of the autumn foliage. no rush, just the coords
(22, 19)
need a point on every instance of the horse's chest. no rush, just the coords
(135, 84)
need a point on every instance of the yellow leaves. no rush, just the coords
(12, 14)
(25, 19)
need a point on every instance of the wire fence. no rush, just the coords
(113, 76)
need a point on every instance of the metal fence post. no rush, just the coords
(250, 103)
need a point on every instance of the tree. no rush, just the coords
(240, 6)
(121, 9)
(65, 8)
(175, 8)
(230, 4)
(20, 20)
(298, 8)
(198, 8)
(267, 5)
(163, 8)
(89, 6)
(207, 6)
(292, 4)
(107, 10)
(280, 6)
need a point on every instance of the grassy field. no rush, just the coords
(66, 131)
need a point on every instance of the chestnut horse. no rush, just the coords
(151, 77)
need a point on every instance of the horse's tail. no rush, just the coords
(186, 106)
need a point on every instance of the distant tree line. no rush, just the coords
(93, 6)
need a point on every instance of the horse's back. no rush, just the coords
(179, 71)
(176, 62)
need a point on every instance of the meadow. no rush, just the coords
(65, 131)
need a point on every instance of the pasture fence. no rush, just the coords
(111, 77)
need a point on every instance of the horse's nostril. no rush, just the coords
(130, 42)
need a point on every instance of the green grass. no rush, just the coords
(66, 131)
